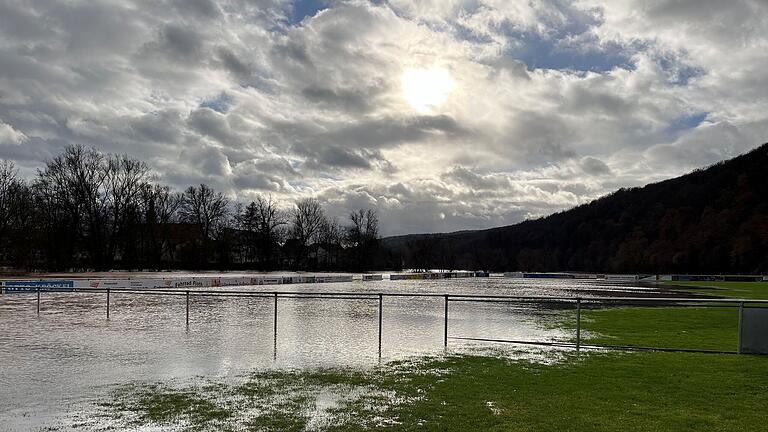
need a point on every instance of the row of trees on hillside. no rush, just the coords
(90, 210)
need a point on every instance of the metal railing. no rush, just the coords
(572, 302)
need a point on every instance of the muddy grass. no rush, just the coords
(585, 392)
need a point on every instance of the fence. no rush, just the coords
(577, 303)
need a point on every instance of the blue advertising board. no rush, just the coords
(25, 286)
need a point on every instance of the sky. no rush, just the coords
(442, 115)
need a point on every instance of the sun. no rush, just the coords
(426, 89)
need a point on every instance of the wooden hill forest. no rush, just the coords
(713, 220)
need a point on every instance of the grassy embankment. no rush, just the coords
(645, 391)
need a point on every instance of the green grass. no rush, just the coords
(592, 392)
(697, 328)
(743, 290)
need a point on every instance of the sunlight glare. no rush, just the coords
(426, 89)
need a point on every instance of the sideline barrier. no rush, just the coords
(433, 276)
(713, 278)
(750, 331)
(593, 276)
(13, 286)
(33, 286)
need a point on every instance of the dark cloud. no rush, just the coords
(335, 158)
(178, 42)
(234, 64)
(388, 131)
(267, 174)
(160, 127)
(344, 99)
(200, 8)
(475, 181)
(535, 138)
(21, 24)
(294, 53)
(211, 123)
(594, 166)
(342, 158)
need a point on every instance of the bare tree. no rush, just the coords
(160, 204)
(160, 208)
(363, 235)
(208, 209)
(205, 207)
(126, 179)
(330, 236)
(262, 221)
(74, 183)
(16, 216)
(8, 184)
(307, 218)
(270, 223)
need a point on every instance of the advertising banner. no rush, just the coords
(23, 286)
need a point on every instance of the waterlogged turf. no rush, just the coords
(587, 392)
(542, 390)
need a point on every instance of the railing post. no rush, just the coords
(275, 320)
(445, 327)
(38, 300)
(578, 324)
(741, 322)
(187, 311)
(381, 318)
(274, 349)
(107, 303)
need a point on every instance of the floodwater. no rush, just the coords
(71, 353)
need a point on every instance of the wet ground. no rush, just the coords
(71, 354)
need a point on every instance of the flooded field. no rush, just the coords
(71, 354)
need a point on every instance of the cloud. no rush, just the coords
(205, 9)
(10, 136)
(594, 166)
(211, 123)
(265, 174)
(551, 104)
(177, 42)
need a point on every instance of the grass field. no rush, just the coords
(695, 328)
(590, 391)
(745, 290)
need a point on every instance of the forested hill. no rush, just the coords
(713, 220)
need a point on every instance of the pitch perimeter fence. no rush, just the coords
(577, 303)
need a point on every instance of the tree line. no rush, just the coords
(89, 210)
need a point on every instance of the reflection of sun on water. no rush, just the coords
(426, 89)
